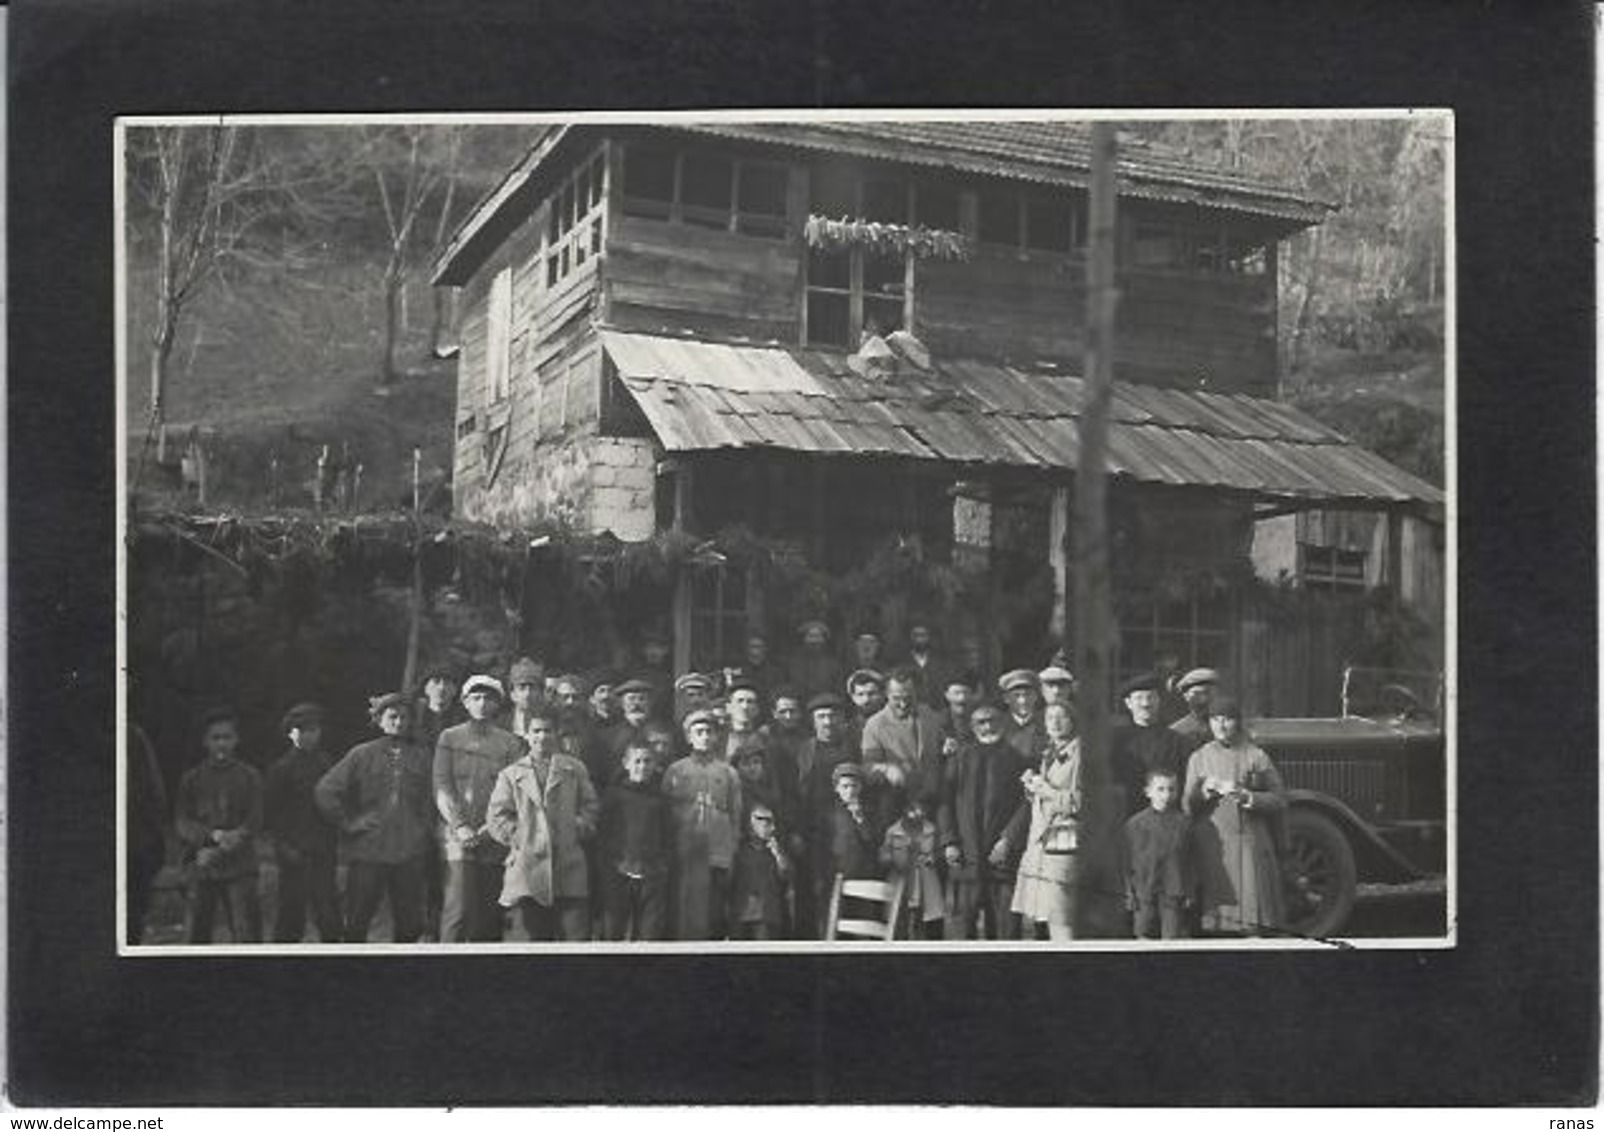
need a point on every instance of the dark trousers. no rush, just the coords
(1163, 918)
(471, 912)
(910, 926)
(567, 920)
(433, 890)
(242, 907)
(978, 908)
(635, 908)
(142, 870)
(369, 882)
(310, 880)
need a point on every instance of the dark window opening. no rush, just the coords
(885, 201)
(760, 204)
(999, 218)
(936, 206)
(705, 184)
(597, 168)
(829, 318)
(648, 182)
(1050, 223)
(552, 272)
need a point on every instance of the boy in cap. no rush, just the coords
(543, 809)
(218, 811)
(1143, 743)
(379, 797)
(1024, 732)
(982, 796)
(851, 845)
(704, 794)
(303, 842)
(468, 758)
(1197, 687)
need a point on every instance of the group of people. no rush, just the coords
(727, 805)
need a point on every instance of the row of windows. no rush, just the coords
(574, 222)
(707, 190)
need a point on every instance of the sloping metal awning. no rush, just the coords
(700, 396)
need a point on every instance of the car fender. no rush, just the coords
(1377, 860)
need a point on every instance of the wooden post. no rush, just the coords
(1094, 620)
(356, 490)
(1058, 558)
(409, 669)
(417, 480)
(317, 483)
(682, 581)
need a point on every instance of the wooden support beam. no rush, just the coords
(682, 580)
(1058, 558)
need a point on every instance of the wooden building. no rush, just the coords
(831, 333)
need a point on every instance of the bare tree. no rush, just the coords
(410, 166)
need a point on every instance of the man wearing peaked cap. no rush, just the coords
(1142, 743)
(1024, 727)
(526, 691)
(468, 758)
(1196, 687)
(815, 760)
(1057, 686)
(303, 842)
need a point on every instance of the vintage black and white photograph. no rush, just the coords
(922, 530)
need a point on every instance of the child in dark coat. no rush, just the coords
(635, 848)
(1159, 863)
(759, 878)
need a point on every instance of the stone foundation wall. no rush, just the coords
(591, 483)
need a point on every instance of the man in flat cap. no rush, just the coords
(303, 842)
(1196, 688)
(742, 710)
(634, 713)
(816, 760)
(866, 689)
(468, 758)
(379, 797)
(1141, 743)
(526, 691)
(1023, 727)
(692, 692)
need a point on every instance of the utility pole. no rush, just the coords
(1094, 617)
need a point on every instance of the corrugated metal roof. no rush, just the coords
(701, 395)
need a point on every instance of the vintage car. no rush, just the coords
(1367, 795)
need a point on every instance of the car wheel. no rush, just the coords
(1321, 877)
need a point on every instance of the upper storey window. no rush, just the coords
(574, 220)
(1031, 220)
(707, 190)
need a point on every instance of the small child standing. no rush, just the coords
(635, 850)
(909, 852)
(759, 878)
(218, 813)
(1159, 862)
(850, 841)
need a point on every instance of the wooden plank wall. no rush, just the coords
(673, 276)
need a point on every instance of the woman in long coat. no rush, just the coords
(1236, 795)
(1049, 870)
(542, 807)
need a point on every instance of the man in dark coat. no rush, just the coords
(303, 842)
(1023, 727)
(816, 760)
(981, 799)
(1197, 687)
(925, 663)
(1142, 743)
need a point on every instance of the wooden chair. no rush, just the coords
(887, 895)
